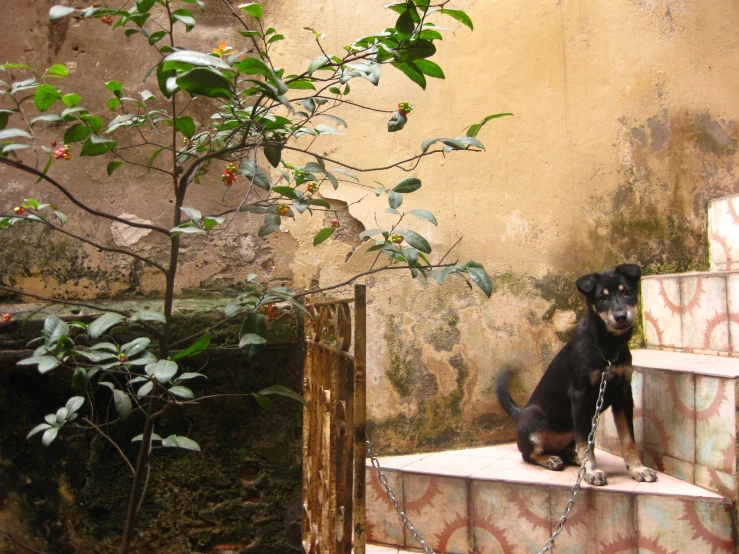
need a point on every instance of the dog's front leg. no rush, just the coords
(623, 416)
(583, 409)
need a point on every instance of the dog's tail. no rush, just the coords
(504, 395)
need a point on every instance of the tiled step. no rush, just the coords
(487, 500)
(723, 232)
(684, 417)
(692, 312)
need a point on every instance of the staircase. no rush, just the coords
(685, 384)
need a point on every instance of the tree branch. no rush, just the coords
(37, 173)
(111, 441)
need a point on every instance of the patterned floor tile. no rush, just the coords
(676, 526)
(669, 417)
(662, 309)
(383, 524)
(704, 317)
(438, 507)
(715, 423)
(509, 517)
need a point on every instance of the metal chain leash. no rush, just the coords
(581, 472)
(570, 503)
(391, 495)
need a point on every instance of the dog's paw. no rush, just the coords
(554, 463)
(596, 477)
(642, 473)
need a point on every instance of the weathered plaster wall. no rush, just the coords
(625, 125)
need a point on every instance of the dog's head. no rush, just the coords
(613, 295)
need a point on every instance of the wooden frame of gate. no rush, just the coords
(334, 451)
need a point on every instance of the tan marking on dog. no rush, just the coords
(605, 291)
(620, 287)
(581, 447)
(624, 371)
(628, 446)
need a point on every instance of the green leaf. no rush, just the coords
(460, 16)
(76, 133)
(254, 66)
(162, 370)
(113, 103)
(54, 329)
(474, 129)
(254, 9)
(412, 72)
(185, 17)
(284, 391)
(251, 338)
(143, 6)
(394, 199)
(185, 125)
(429, 68)
(136, 346)
(396, 122)
(425, 215)
(112, 166)
(145, 389)
(57, 70)
(103, 323)
(273, 155)
(263, 401)
(122, 403)
(57, 12)
(415, 240)
(44, 363)
(480, 277)
(405, 24)
(49, 436)
(186, 376)
(289, 192)
(12, 133)
(96, 148)
(254, 323)
(369, 233)
(407, 185)
(182, 392)
(93, 121)
(301, 84)
(193, 57)
(322, 235)
(173, 441)
(71, 100)
(205, 81)
(145, 315)
(4, 115)
(195, 348)
(317, 63)
(319, 202)
(40, 427)
(45, 97)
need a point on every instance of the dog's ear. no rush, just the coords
(630, 270)
(586, 283)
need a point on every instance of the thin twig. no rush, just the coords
(450, 249)
(19, 543)
(111, 441)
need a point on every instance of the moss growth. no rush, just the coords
(560, 290)
(446, 336)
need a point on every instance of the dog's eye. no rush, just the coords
(628, 292)
(602, 298)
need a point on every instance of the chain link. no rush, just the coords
(586, 458)
(391, 495)
(570, 503)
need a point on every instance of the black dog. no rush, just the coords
(557, 419)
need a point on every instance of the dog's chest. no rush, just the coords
(618, 372)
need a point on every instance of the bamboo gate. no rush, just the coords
(334, 451)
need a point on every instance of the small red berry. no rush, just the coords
(6, 318)
(405, 108)
(282, 209)
(335, 223)
(107, 19)
(53, 144)
(396, 238)
(19, 210)
(313, 187)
